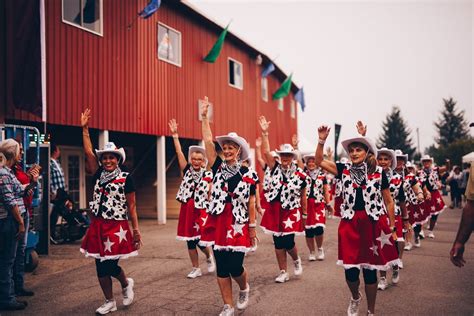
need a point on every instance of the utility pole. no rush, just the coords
(418, 139)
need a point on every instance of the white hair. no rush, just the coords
(9, 150)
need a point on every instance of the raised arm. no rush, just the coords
(258, 152)
(207, 134)
(91, 160)
(361, 128)
(329, 166)
(265, 125)
(177, 145)
(294, 143)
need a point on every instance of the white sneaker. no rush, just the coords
(400, 264)
(353, 309)
(422, 234)
(382, 284)
(128, 293)
(298, 268)
(395, 276)
(243, 300)
(417, 243)
(408, 246)
(320, 254)
(227, 311)
(312, 256)
(211, 264)
(195, 272)
(107, 307)
(430, 234)
(282, 277)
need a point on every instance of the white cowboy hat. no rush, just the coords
(196, 149)
(344, 160)
(274, 154)
(409, 164)
(111, 148)
(426, 157)
(390, 153)
(308, 156)
(400, 154)
(240, 141)
(286, 149)
(360, 139)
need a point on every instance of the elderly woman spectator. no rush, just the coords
(455, 180)
(12, 225)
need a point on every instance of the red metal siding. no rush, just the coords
(129, 89)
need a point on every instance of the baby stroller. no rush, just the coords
(68, 224)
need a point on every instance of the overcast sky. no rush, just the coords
(356, 59)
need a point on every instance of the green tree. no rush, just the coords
(396, 134)
(454, 151)
(452, 125)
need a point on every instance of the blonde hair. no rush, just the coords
(9, 150)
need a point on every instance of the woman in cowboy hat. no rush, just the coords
(415, 198)
(287, 197)
(318, 199)
(364, 241)
(109, 237)
(434, 203)
(232, 208)
(193, 194)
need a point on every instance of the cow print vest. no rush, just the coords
(432, 177)
(289, 189)
(109, 200)
(240, 196)
(197, 190)
(410, 178)
(372, 193)
(315, 187)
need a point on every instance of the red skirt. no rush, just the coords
(399, 227)
(365, 243)
(190, 221)
(279, 222)
(263, 201)
(437, 205)
(316, 214)
(415, 214)
(108, 239)
(337, 206)
(229, 235)
(208, 230)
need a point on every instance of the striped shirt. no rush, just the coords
(11, 192)
(57, 176)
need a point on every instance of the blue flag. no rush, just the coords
(268, 70)
(151, 8)
(299, 97)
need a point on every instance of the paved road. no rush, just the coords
(65, 282)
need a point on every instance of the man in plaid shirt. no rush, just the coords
(57, 182)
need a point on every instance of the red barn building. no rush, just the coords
(136, 78)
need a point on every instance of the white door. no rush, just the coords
(72, 162)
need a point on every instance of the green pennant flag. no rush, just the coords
(284, 89)
(216, 49)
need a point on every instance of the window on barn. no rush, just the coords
(169, 44)
(265, 89)
(280, 104)
(236, 76)
(85, 14)
(293, 109)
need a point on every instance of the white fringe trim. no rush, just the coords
(278, 234)
(369, 266)
(188, 238)
(316, 225)
(206, 243)
(104, 258)
(232, 248)
(439, 212)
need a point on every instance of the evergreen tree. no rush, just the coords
(396, 134)
(451, 126)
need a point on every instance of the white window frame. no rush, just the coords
(180, 45)
(101, 18)
(228, 73)
(264, 82)
(281, 104)
(293, 109)
(67, 151)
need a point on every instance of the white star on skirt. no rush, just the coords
(438, 200)
(288, 223)
(422, 210)
(196, 226)
(433, 208)
(204, 220)
(416, 215)
(384, 239)
(374, 249)
(229, 234)
(298, 216)
(238, 228)
(108, 245)
(318, 216)
(122, 234)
